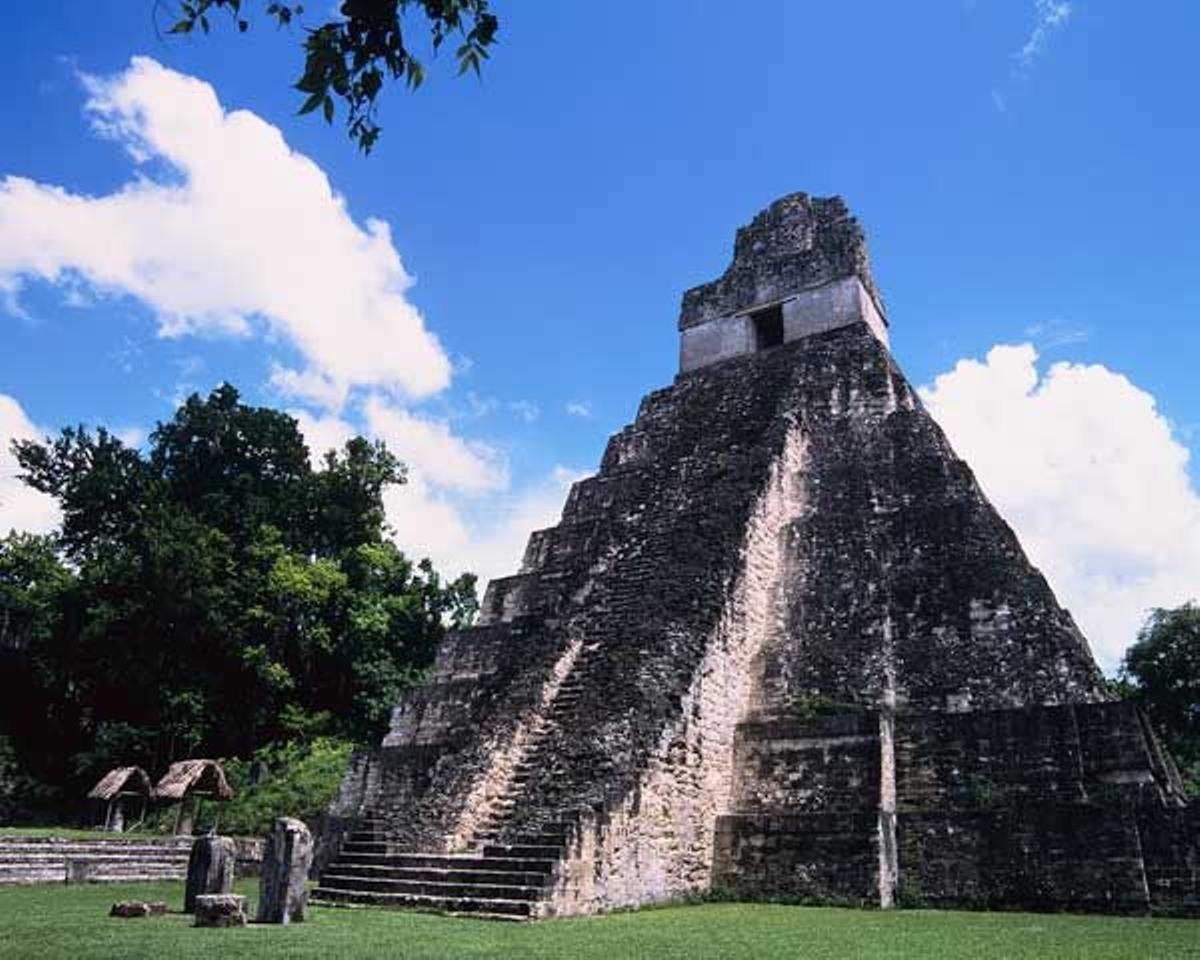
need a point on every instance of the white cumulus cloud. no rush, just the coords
(488, 540)
(223, 228)
(21, 507)
(433, 451)
(1088, 472)
(459, 506)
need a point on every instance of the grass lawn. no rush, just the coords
(72, 922)
(67, 833)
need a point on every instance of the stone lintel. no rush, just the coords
(838, 303)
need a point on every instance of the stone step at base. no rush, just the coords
(503, 878)
(432, 888)
(495, 837)
(91, 849)
(497, 909)
(34, 858)
(539, 851)
(365, 846)
(457, 861)
(31, 876)
(133, 876)
(107, 875)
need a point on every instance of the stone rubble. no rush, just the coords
(220, 910)
(138, 908)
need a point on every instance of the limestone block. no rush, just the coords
(283, 889)
(210, 869)
(138, 908)
(79, 870)
(220, 910)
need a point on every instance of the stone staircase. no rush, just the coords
(496, 881)
(52, 860)
(506, 875)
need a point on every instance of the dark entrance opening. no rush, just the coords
(768, 327)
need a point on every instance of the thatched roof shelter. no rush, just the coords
(122, 780)
(114, 787)
(193, 778)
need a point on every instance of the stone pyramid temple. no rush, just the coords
(779, 645)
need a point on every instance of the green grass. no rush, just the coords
(72, 922)
(63, 833)
(80, 833)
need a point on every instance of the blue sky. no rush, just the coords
(1025, 170)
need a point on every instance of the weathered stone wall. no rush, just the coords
(656, 842)
(1170, 844)
(891, 574)
(838, 303)
(1065, 807)
(805, 818)
(1063, 754)
(775, 537)
(1043, 856)
(827, 858)
(798, 243)
(1044, 808)
(808, 765)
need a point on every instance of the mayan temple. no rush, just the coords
(780, 644)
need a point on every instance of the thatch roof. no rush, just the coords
(186, 777)
(122, 780)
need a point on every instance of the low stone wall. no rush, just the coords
(1046, 808)
(249, 854)
(25, 860)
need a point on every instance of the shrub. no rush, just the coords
(281, 780)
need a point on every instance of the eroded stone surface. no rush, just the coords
(283, 888)
(798, 243)
(220, 910)
(781, 610)
(210, 869)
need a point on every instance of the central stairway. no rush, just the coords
(498, 881)
(505, 875)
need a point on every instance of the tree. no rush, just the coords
(219, 593)
(350, 58)
(1162, 670)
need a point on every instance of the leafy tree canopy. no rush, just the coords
(349, 58)
(210, 596)
(1162, 671)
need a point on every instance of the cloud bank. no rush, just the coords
(1088, 472)
(225, 229)
(21, 508)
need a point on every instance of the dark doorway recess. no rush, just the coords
(768, 327)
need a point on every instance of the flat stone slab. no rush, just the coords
(220, 910)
